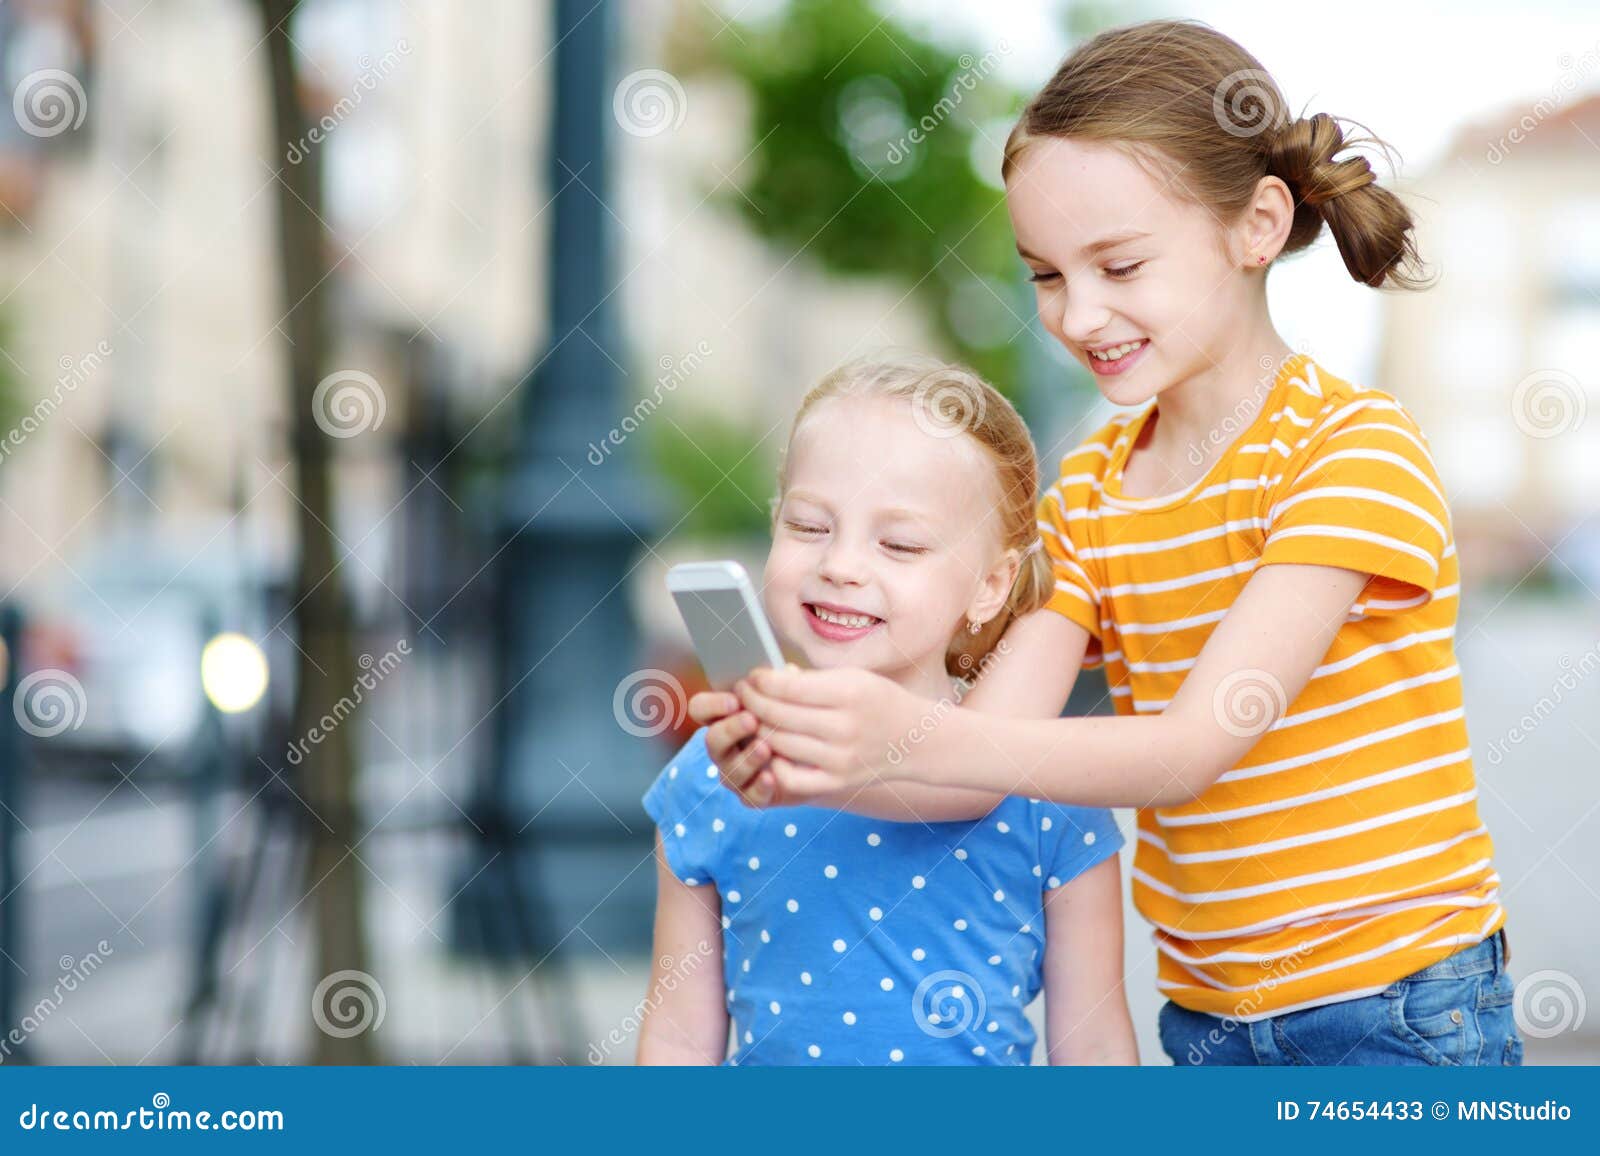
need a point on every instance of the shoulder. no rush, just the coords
(688, 782)
(1321, 414)
(1084, 468)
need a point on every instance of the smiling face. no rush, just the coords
(886, 540)
(1119, 261)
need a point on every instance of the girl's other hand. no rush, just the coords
(731, 740)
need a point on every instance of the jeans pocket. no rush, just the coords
(1438, 1018)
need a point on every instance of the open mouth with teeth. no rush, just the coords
(839, 625)
(1117, 353)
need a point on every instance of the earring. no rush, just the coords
(974, 627)
(1261, 259)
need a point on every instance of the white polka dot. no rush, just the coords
(1016, 991)
(792, 905)
(886, 983)
(748, 1038)
(918, 882)
(711, 771)
(999, 896)
(1052, 882)
(1045, 824)
(935, 1017)
(734, 897)
(896, 1055)
(993, 1027)
(918, 954)
(1024, 929)
(755, 864)
(994, 959)
(813, 1051)
(775, 1006)
(718, 825)
(677, 829)
(958, 992)
(746, 965)
(874, 839)
(838, 945)
(1002, 826)
(691, 882)
(789, 829)
(1037, 871)
(876, 913)
(1088, 836)
(849, 1017)
(766, 936)
(831, 871)
(725, 922)
(1010, 1048)
(961, 853)
(960, 925)
(672, 771)
(978, 1051)
(805, 978)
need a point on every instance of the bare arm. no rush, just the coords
(831, 727)
(685, 1018)
(1086, 1007)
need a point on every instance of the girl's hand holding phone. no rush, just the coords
(831, 730)
(740, 755)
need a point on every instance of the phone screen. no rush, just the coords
(725, 637)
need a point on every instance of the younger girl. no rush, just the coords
(903, 543)
(1264, 564)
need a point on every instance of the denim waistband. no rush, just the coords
(1485, 955)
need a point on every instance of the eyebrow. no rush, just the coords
(894, 513)
(1089, 250)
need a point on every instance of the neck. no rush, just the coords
(1192, 414)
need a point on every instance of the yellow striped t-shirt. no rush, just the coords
(1345, 850)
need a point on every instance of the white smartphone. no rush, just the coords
(729, 628)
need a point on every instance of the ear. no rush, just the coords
(1265, 223)
(995, 588)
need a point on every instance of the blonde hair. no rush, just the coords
(952, 401)
(1179, 96)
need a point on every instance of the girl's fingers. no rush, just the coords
(777, 714)
(710, 705)
(724, 738)
(745, 764)
(800, 782)
(804, 749)
(761, 791)
(819, 688)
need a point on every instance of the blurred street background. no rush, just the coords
(364, 364)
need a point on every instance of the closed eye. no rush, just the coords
(1040, 277)
(804, 528)
(902, 548)
(1122, 273)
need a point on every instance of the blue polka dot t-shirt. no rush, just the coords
(852, 940)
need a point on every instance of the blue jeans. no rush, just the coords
(1456, 1011)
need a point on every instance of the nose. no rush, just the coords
(1080, 315)
(842, 563)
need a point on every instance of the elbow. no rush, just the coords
(1195, 761)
